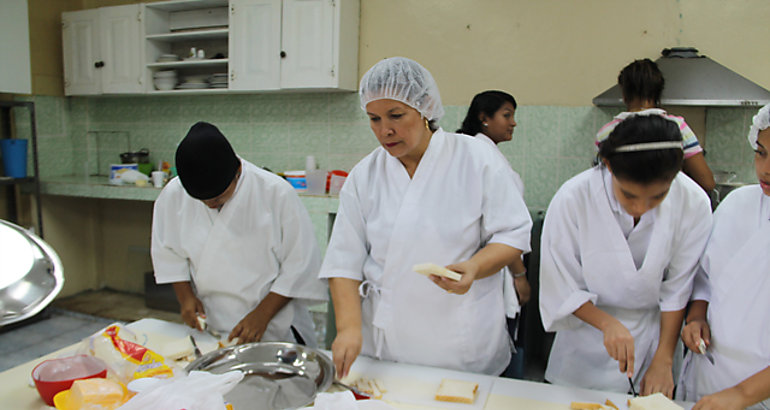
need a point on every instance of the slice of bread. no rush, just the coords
(433, 269)
(457, 391)
(655, 401)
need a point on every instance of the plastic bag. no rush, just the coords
(125, 359)
(196, 391)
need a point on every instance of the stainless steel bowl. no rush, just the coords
(276, 375)
(30, 274)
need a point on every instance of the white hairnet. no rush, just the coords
(404, 80)
(760, 122)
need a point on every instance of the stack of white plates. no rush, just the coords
(218, 80)
(167, 58)
(165, 80)
(194, 82)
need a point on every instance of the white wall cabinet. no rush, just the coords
(294, 44)
(102, 51)
(256, 45)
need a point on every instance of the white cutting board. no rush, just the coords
(417, 385)
(154, 334)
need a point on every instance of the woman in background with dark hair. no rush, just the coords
(642, 84)
(490, 119)
(620, 246)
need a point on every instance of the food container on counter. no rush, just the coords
(55, 375)
(296, 179)
(335, 180)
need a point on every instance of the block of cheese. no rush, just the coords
(433, 269)
(655, 401)
(457, 391)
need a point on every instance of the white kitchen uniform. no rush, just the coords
(512, 305)
(461, 197)
(734, 277)
(591, 251)
(260, 241)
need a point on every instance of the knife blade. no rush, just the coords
(195, 347)
(703, 351)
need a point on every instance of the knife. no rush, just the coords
(195, 347)
(703, 351)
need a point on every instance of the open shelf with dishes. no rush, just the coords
(186, 46)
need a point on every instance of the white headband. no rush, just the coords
(649, 146)
(760, 122)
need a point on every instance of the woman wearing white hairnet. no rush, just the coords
(423, 196)
(729, 309)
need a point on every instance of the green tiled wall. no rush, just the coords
(278, 130)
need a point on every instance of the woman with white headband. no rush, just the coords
(423, 196)
(620, 245)
(728, 317)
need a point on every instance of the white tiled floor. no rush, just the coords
(56, 328)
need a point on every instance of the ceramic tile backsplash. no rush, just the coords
(550, 144)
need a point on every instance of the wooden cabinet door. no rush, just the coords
(121, 49)
(255, 44)
(308, 44)
(81, 52)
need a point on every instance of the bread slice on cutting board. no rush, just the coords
(457, 391)
(433, 269)
(655, 401)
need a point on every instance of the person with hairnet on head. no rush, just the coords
(728, 319)
(423, 196)
(237, 245)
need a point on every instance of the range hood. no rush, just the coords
(694, 80)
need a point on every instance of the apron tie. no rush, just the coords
(371, 291)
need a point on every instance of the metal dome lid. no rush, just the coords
(31, 274)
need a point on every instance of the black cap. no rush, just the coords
(205, 161)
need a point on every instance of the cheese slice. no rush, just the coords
(457, 391)
(655, 401)
(433, 269)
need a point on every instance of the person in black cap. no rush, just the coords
(236, 243)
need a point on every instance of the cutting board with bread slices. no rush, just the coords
(424, 386)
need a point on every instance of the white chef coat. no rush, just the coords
(260, 241)
(587, 256)
(460, 198)
(511, 298)
(734, 277)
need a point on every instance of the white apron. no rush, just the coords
(738, 272)
(261, 241)
(393, 222)
(586, 257)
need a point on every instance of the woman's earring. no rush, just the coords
(427, 125)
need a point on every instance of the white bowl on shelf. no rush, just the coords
(165, 84)
(165, 74)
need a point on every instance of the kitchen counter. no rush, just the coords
(409, 386)
(100, 187)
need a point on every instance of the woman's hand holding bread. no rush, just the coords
(659, 378)
(467, 269)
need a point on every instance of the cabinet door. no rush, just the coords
(254, 44)
(80, 48)
(120, 40)
(308, 33)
